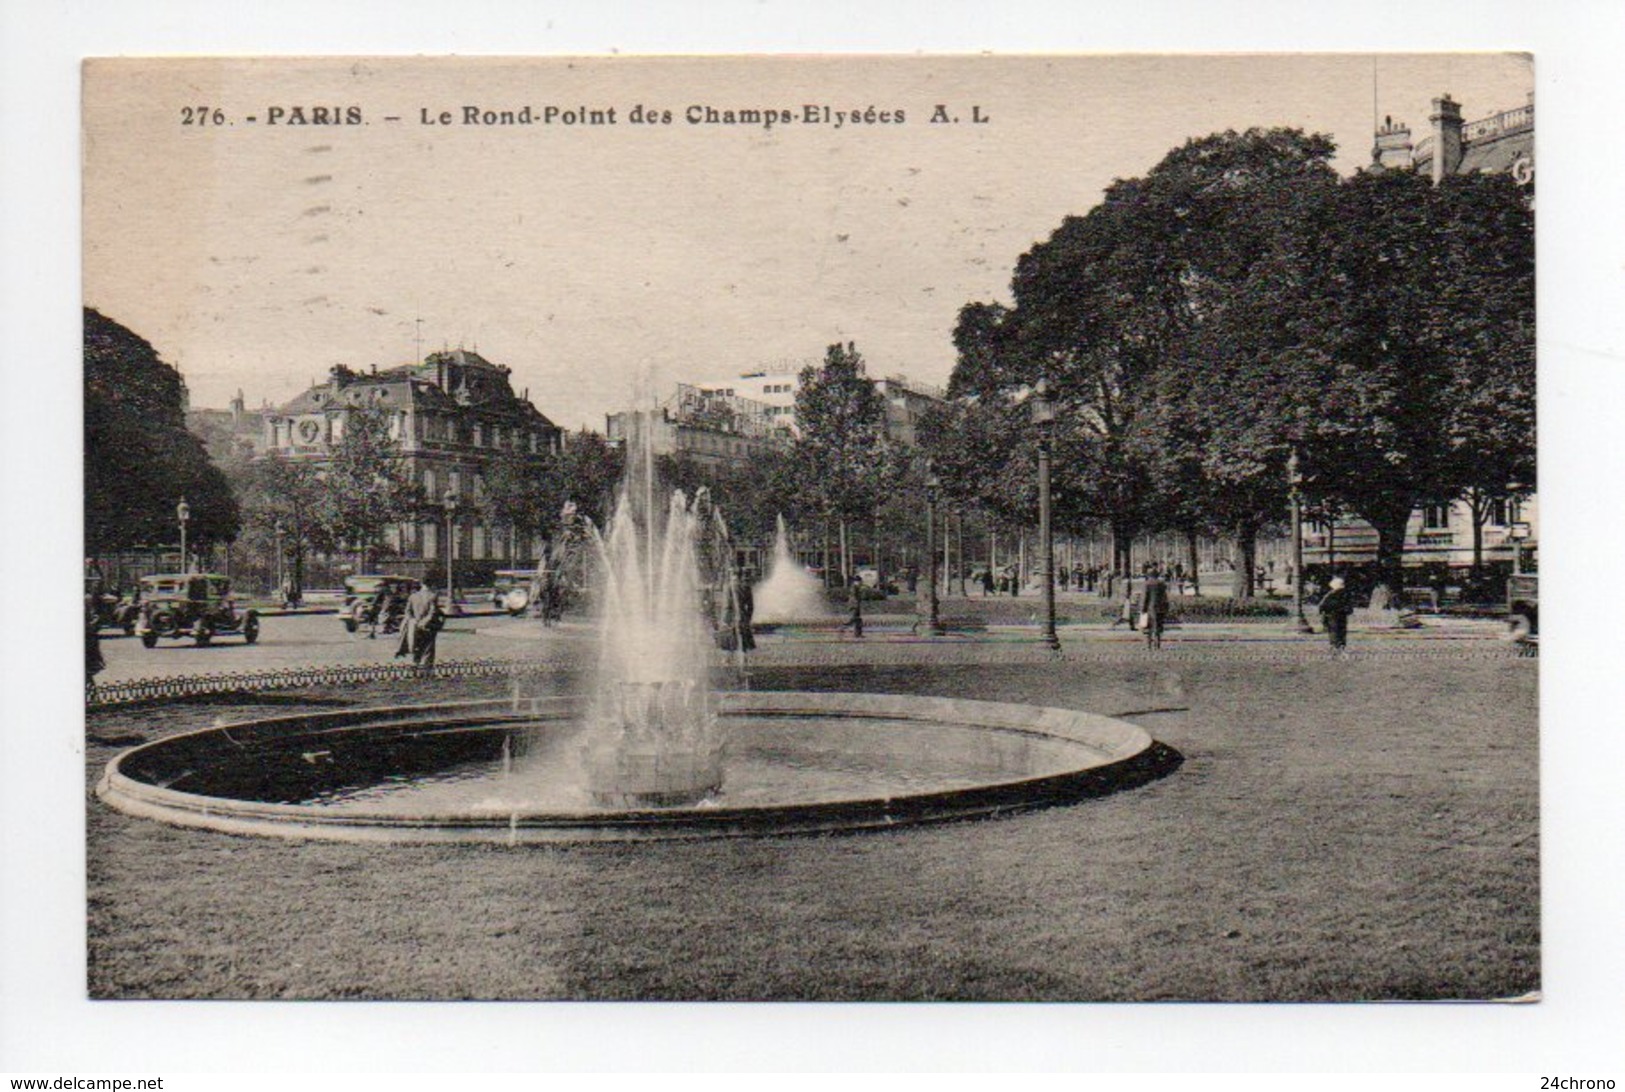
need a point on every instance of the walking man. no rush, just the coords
(1335, 609)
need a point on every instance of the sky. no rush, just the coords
(603, 263)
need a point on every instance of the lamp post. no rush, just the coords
(450, 501)
(1044, 418)
(183, 512)
(281, 581)
(1294, 481)
(932, 487)
(1517, 534)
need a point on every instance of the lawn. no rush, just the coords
(1352, 829)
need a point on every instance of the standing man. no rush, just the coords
(1335, 609)
(855, 619)
(1154, 607)
(421, 626)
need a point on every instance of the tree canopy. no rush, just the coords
(140, 460)
(1237, 303)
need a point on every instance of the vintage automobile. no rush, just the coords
(362, 600)
(513, 590)
(195, 605)
(112, 611)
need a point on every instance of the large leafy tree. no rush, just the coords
(518, 497)
(584, 473)
(140, 460)
(1416, 313)
(1488, 304)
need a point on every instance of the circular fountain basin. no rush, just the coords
(510, 772)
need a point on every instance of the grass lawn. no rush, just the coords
(1340, 830)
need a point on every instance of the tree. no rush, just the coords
(1489, 305)
(585, 472)
(140, 460)
(1416, 314)
(365, 487)
(847, 463)
(283, 506)
(517, 499)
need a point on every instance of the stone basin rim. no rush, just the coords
(1123, 755)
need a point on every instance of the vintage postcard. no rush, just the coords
(931, 528)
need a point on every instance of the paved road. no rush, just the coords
(301, 640)
(298, 641)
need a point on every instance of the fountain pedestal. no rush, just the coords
(657, 745)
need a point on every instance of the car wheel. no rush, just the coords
(149, 639)
(201, 636)
(349, 623)
(129, 628)
(251, 629)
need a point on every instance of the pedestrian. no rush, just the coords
(747, 611)
(421, 626)
(375, 610)
(1154, 608)
(987, 581)
(1335, 609)
(855, 618)
(1125, 611)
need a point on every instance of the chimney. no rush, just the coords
(1393, 148)
(1446, 119)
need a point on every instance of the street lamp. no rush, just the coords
(1294, 481)
(183, 512)
(281, 581)
(1044, 418)
(1517, 534)
(450, 501)
(932, 487)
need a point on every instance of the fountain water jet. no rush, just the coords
(654, 737)
(789, 593)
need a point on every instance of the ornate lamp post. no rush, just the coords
(450, 501)
(932, 487)
(183, 512)
(1044, 418)
(1294, 481)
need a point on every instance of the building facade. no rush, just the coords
(710, 425)
(452, 415)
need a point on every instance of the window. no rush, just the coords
(1499, 512)
(1436, 517)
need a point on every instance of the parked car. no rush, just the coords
(195, 605)
(112, 611)
(362, 600)
(513, 589)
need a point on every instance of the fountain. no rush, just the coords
(654, 738)
(650, 750)
(789, 593)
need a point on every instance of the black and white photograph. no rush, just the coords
(836, 555)
(812, 530)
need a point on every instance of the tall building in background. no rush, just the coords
(452, 414)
